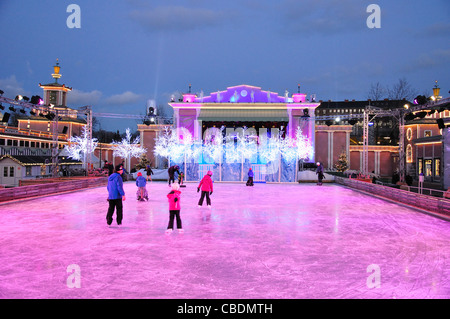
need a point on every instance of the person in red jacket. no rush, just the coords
(207, 189)
(174, 208)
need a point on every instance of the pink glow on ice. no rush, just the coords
(289, 241)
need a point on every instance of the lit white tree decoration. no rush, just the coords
(126, 149)
(79, 146)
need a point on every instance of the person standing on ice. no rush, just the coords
(319, 173)
(142, 191)
(250, 177)
(174, 208)
(206, 185)
(116, 195)
(171, 171)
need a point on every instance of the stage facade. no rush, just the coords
(243, 127)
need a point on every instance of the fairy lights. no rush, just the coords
(238, 147)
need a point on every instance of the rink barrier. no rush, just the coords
(428, 203)
(30, 191)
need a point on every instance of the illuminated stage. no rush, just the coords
(239, 128)
(273, 241)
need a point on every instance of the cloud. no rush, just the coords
(12, 87)
(176, 18)
(124, 98)
(323, 16)
(78, 97)
(436, 58)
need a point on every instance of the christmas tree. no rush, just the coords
(342, 164)
(143, 162)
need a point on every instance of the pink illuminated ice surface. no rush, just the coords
(275, 241)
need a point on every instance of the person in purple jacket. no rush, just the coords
(174, 208)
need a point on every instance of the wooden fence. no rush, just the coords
(433, 204)
(49, 187)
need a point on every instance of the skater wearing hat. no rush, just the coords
(142, 191)
(116, 195)
(206, 185)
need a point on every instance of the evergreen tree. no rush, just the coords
(342, 164)
(143, 162)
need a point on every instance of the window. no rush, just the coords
(5, 171)
(428, 167)
(11, 171)
(409, 153)
(427, 133)
(28, 171)
(420, 165)
(2, 141)
(33, 144)
(437, 167)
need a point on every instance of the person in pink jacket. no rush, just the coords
(206, 185)
(174, 208)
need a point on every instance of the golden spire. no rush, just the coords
(56, 69)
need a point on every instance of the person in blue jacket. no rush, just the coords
(141, 182)
(250, 177)
(116, 195)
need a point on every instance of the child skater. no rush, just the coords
(174, 208)
(142, 191)
(207, 189)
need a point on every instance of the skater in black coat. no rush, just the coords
(171, 171)
(319, 173)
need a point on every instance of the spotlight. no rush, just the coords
(410, 117)
(26, 98)
(32, 113)
(1, 107)
(50, 116)
(12, 108)
(1, 92)
(422, 114)
(6, 117)
(18, 98)
(35, 99)
(328, 123)
(22, 111)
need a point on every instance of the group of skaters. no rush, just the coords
(116, 194)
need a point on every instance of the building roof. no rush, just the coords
(384, 104)
(25, 160)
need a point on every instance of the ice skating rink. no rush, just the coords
(286, 241)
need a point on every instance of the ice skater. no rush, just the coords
(206, 185)
(174, 208)
(149, 173)
(319, 173)
(171, 171)
(141, 182)
(116, 195)
(250, 177)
